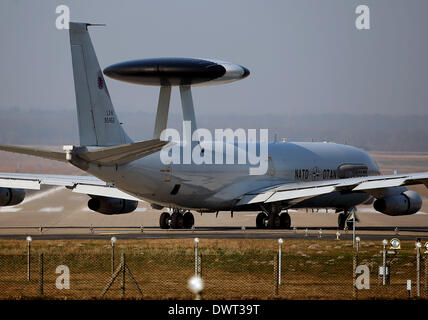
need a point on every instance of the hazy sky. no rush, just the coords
(304, 56)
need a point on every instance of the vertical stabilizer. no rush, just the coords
(98, 123)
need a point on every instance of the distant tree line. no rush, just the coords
(370, 132)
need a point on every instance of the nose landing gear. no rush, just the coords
(347, 218)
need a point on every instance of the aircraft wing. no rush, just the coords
(80, 184)
(295, 192)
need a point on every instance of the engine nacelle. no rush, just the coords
(405, 203)
(11, 197)
(107, 205)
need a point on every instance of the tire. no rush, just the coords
(274, 222)
(177, 220)
(163, 220)
(350, 224)
(260, 220)
(188, 220)
(285, 220)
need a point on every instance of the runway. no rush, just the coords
(56, 213)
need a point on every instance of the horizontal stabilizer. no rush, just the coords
(108, 156)
(52, 155)
(123, 153)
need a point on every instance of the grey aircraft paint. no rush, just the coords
(206, 187)
(211, 187)
(319, 175)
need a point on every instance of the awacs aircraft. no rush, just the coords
(123, 172)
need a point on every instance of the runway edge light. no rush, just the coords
(395, 244)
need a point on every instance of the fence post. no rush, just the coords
(113, 278)
(112, 258)
(418, 269)
(200, 265)
(28, 262)
(29, 258)
(355, 265)
(275, 272)
(196, 256)
(280, 242)
(426, 275)
(41, 274)
(384, 242)
(354, 276)
(123, 263)
(353, 227)
(113, 240)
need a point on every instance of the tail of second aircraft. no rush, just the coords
(98, 123)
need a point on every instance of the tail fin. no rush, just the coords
(98, 123)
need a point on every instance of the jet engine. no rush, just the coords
(405, 203)
(108, 205)
(11, 197)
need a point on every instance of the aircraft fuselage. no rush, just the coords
(212, 187)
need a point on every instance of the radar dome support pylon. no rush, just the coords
(163, 110)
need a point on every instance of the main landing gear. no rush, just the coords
(273, 220)
(179, 219)
(347, 218)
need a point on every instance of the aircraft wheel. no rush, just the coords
(274, 222)
(188, 220)
(163, 220)
(285, 220)
(260, 220)
(176, 220)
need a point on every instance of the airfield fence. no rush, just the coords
(163, 274)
